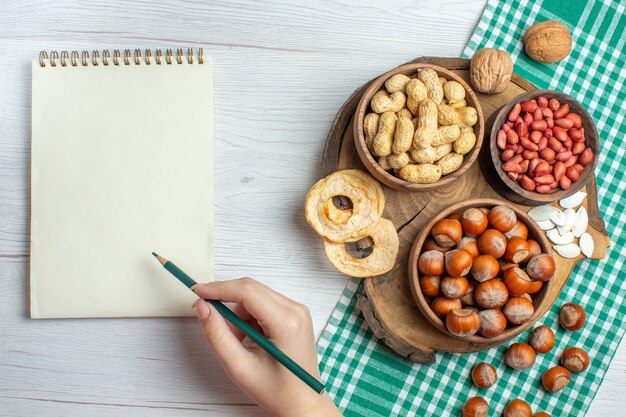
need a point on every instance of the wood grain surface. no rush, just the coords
(387, 304)
(282, 71)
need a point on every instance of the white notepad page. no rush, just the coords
(122, 165)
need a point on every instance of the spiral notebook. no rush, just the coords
(122, 165)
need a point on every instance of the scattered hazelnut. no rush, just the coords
(541, 339)
(463, 322)
(575, 359)
(492, 322)
(458, 262)
(517, 408)
(555, 379)
(519, 356)
(572, 316)
(441, 306)
(475, 407)
(484, 375)
(492, 242)
(430, 285)
(491, 294)
(447, 232)
(518, 310)
(431, 263)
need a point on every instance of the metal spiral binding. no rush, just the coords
(96, 58)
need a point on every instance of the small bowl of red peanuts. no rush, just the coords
(544, 147)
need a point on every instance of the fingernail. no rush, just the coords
(202, 310)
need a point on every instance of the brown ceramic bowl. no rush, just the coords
(423, 302)
(511, 190)
(368, 159)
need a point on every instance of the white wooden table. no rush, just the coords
(281, 73)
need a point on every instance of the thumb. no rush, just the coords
(220, 337)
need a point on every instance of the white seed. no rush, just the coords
(545, 225)
(542, 213)
(571, 250)
(570, 216)
(560, 239)
(573, 200)
(559, 218)
(582, 220)
(586, 244)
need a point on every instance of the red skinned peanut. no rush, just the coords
(559, 170)
(565, 123)
(559, 133)
(555, 145)
(585, 157)
(563, 156)
(542, 102)
(547, 154)
(544, 179)
(529, 106)
(554, 104)
(501, 139)
(515, 111)
(543, 188)
(565, 182)
(512, 137)
(578, 148)
(527, 183)
(542, 168)
(530, 154)
(528, 118)
(540, 125)
(576, 119)
(524, 165)
(561, 111)
(507, 155)
(572, 173)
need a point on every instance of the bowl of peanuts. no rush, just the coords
(418, 127)
(543, 147)
(481, 271)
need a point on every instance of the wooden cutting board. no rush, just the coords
(387, 304)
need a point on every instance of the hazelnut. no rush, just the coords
(517, 408)
(548, 41)
(535, 287)
(533, 249)
(484, 268)
(484, 375)
(473, 222)
(447, 232)
(458, 262)
(541, 267)
(516, 281)
(430, 244)
(431, 263)
(575, 359)
(491, 70)
(441, 306)
(518, 310)
(572, 316)
(468, 298)
(516, 250)
(492, 242)
(430, 285)
(463, 322)
(502, 218)
(454, 287)
(541, 339)
(454, 216)
(518, 230)
(475, 407)
(492, 322)
(519, 356)
(491, 294)
(555, 379)
(469, 244)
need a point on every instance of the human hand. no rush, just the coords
(284, 322)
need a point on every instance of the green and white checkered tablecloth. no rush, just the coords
(366, 378)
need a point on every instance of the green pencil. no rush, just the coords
(248, 330)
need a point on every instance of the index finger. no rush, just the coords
(250, 294)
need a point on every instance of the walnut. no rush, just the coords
(490, 70)
(548, 41)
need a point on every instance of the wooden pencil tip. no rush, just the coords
(161, 259)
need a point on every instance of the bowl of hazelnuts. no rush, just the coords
(481, 271)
